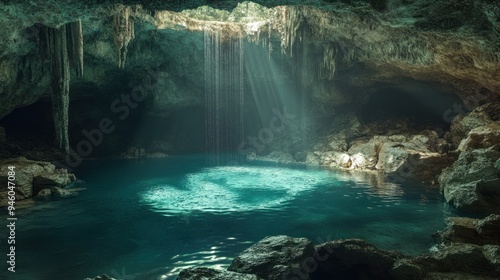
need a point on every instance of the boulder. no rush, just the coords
(48, 180)
(358, 259)
(25, 171)
(276, 257)
(488, 230)
(44, 195)
(481, 137)
(365, 154)
(335, 159)
(59, 193)
(213, 274)
(473, 231)
(465, 259)
(406, 269)
(472, 183)
(31, 177)
(462, 124)
(55, 193)
(401, 156)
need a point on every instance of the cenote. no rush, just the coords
(239, 140)
(153, 218)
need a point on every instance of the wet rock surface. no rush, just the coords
(274, 257)
(467, 259)
(209, 273)
(472, 183)
(31, 177)
(402, 156)
(474, 231)
(355, 259)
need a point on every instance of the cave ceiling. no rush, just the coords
(455, 43)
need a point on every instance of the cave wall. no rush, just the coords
(335, 55)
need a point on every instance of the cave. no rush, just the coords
(250, 139)
(424, 105)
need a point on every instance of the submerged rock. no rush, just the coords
(213, 274)
(276, 257)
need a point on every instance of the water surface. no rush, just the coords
(154, 217)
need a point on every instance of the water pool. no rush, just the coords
(147, 218)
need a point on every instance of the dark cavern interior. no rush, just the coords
(264, 140)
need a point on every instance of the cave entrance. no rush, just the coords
(423, 104)
(30, 122)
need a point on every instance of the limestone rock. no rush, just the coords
(55, 193)
(461, 125)
(472, 183)
(275, 257)
(31, 177)
(358, 259)
(44, 195)
(463, 258)
(59, 193)
(473, 231)
(56, 179)
(25, 171)
(401, 156)
(335, 159)
(481, 137)
(488, 229)
(365, 154)
(212, 274)
(405, 270)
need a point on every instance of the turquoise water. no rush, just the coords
(147, 218)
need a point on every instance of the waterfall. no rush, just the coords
(224, 98)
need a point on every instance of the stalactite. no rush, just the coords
(57, 52)
(75, 46)
(293, 20)
(62, 47)
(123, 26)
(329, 65)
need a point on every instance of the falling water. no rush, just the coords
(223, 97)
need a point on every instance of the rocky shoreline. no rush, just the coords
(36, 181)
(284, 257)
